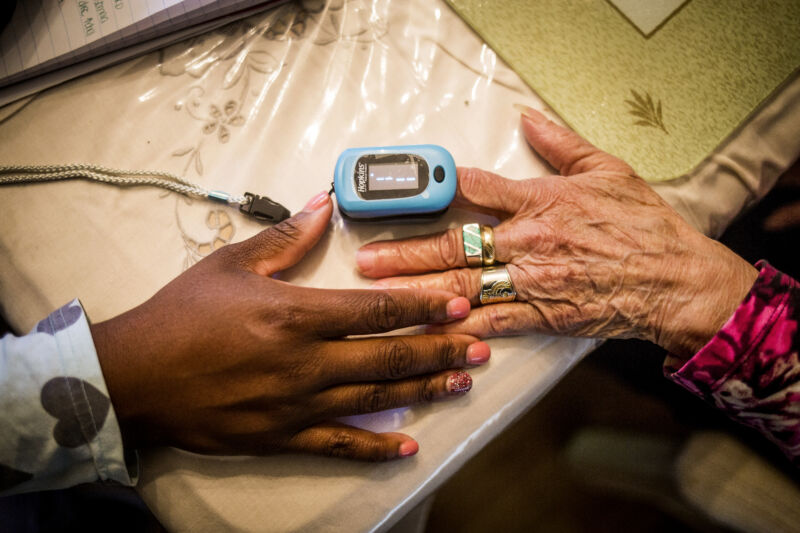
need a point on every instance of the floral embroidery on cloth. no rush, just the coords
(750, 369)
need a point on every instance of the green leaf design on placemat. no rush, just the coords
(649, 114)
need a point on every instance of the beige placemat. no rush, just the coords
(658, 83)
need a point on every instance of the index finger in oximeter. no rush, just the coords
(394, 181)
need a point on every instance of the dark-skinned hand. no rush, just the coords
(227, 360)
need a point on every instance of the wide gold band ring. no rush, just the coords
(487, 245)
(496, 286)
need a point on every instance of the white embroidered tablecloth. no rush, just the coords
(266, 105)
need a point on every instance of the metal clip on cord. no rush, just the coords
(258, 207)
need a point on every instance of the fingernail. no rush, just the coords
(459, 383)
(529, 112)
(478, 353)
(457, 308)
(379, 285)
(365, 259)
(317, 201)
(408, 448)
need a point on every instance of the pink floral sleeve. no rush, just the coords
(750, 369)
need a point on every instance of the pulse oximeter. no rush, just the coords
(394, 182)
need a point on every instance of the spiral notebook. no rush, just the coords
(72, 37)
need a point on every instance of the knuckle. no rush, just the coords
(585, 157)
(449, 248)
(374, 398)
(290, 314)
(559, 318)
(568, 317)
(340, 444)
(539, 237)
(426, 392)
(499, 320)
(555, 280)
(282, 235)
(461, 282)
(448, 353)
(288, 229)
(384, 313)
(573, 275)
(395, 358)
(469, 177)
(373, 451)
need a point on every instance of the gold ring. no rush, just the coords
(473, 244)
(496, 286)
(487, 245)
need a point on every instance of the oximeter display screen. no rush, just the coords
(393, 176)
(385, 176)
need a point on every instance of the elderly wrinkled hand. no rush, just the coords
(227, 360)
(592, 251)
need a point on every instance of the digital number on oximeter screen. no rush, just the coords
(389, 177)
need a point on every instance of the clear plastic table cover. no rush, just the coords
(266, 105)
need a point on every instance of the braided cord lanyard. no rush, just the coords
(254, 205)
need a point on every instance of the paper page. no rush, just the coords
(45, 35)
(42, 31)
(73, 69)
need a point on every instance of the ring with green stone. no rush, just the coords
(473, 245)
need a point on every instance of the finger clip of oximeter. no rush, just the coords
(391, 182)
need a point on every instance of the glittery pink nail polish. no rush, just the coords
(459, 383)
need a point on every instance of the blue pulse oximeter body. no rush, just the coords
(390, 182)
